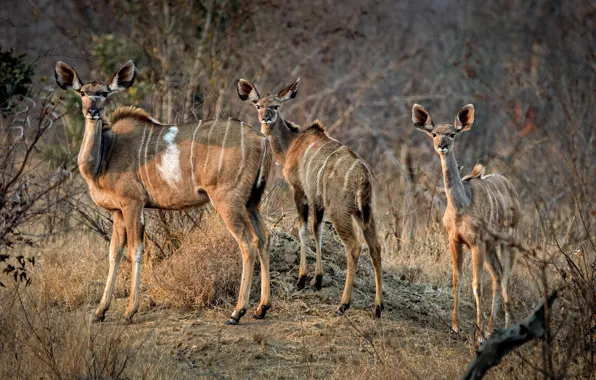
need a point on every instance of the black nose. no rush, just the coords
(93, 112)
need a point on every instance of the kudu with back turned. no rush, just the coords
(482, 213)
(133, 162)
(325, 176)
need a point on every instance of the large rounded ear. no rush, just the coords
(465, 118)
(289, 92)
(123, 78)
(421, 119)
(247, 92)
(67, 78)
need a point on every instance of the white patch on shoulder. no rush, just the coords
(169, 167)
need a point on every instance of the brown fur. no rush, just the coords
(140, 164)
(326, 177)
(482, 213)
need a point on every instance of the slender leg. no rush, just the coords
(263, 251)
(508, 255)
(494, 268)
(457, 259)
(318, 233)
(302, 207)
(135, 228)
(353, 249)
(238, 223)
(370, 235)
(117, 244)
(478, 253)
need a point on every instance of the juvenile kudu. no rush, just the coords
(482, 213)
(133, 162)
(325, 176)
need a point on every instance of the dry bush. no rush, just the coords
(71, 271)
(40, 341)
(204, 271)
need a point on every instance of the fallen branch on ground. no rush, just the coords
(501, 342)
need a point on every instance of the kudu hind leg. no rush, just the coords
(374, 248)
(263, 250)
(135, 229)
(493, 265)
(318, 234)
(239, 225)
(353, 248)
(302, 208)
(478, 253)
(508, 256)
(117, 244)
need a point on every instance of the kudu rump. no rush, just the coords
(133, 162)
(325, 177)
(482, 213)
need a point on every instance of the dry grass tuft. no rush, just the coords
(204, 271)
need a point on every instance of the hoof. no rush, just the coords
(235, 318)
(454, 334)
(261, 311)
(377, 310)
(301, 282)
(341, 310)
(317, 282)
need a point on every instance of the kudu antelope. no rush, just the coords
(325, 176)
(133, 162)
(482, 213)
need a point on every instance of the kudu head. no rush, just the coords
(443, 135)
(94, 95)
(268, 106)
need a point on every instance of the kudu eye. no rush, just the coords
(258, 106)
(104, 94)
(433, 134)
(275, 107)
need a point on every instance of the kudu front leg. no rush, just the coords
(117, 244)
(457, 259)
(135, 229)
(263, 250)
(478, 253)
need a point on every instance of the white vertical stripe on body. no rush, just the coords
(310, 163)
(322, 169)
(208, 146)
(348, 174)
(241, 151)
(169, 167)
(263, 154)
(148, 185)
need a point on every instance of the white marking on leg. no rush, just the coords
(223, 147)
(348, 174)
(320, 172)
(169, 168)
(192, 154)
(302, 234)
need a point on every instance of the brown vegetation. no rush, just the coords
(527, 67)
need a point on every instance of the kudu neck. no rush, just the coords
(281, 138)
(457, 195)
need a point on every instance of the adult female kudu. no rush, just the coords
(482, 212)
(325, 177)
(133, 162)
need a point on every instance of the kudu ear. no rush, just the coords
(465, 118)
(289, 92)
(67, 78)
(123, 78)
(247, 92)
(421, 119)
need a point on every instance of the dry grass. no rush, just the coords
(205, 271)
